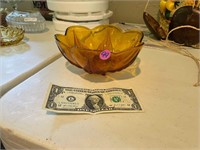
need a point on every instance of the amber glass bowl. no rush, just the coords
(105, 48)
(10, 35)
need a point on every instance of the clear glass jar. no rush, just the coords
(29, 21)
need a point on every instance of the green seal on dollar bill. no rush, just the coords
(116, 99)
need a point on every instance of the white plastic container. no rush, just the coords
(89, 13)
(77, 6)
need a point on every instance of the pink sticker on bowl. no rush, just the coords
(104, 55)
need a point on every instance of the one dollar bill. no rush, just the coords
(80, 100)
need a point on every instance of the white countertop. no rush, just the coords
(26, 58)
(163, 82)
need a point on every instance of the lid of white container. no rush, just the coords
(77, 6)
(83, 16)
(61, 26)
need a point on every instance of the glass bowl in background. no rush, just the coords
(10, 35)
